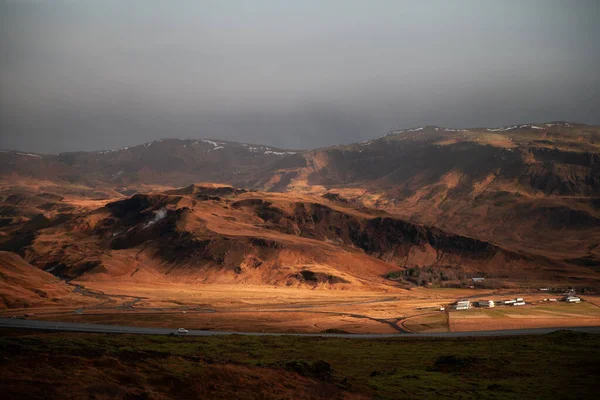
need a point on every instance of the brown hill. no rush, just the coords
(22, 285)
(168, 162)
(219, 234)
(534, 189)
(529, 187)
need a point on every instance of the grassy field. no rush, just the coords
(295, 310)
(562, 365)
(543, 315)
(247, 307)
(435, 322)
(557, 310)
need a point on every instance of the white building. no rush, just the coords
(519, 301)
(486, 303)
(463, 305)
(572, 299)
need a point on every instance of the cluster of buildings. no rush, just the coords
(519, 301)
(466, 304)
(463, 305)
(572, 299)
(567, 299)
(486, 303)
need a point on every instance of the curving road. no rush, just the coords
(97, 328)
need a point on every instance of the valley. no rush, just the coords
(299, 200)
(362, 238)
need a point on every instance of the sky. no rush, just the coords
(90, 75)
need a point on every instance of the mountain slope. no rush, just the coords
(533, 188)
(168, 162)
(22, 285)
(528, 186)
(219, 234)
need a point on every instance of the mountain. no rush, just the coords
(531, 189)
(534, 187)
(220, 234)
(168, 162)
(23, 285)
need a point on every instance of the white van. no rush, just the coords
(182, 331)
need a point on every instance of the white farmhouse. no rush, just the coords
(486, 303)
(572, 299)
(463, 305)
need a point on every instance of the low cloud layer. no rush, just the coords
(87, 75)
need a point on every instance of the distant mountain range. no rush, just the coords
(395, 158)
(531, 190)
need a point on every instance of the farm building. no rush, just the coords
(463, 305)
(486, 303)
(478, 280)
(572, 299)
(519, 301)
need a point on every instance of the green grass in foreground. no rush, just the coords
(562, 365)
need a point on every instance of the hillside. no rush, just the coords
(22, 285)
(529, 187)
(533, 188)
(168, 162)
(219, 234)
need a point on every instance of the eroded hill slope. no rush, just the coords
(219, 234)
(531, 187)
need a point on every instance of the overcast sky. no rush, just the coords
(89, 75)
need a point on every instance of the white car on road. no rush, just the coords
(182, 331)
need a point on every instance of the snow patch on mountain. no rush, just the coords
(29, 155)
(502, 129)
(158, 215)
(279, 153)
(215, 144)
(255, 149)
(453, 130)
(151, 143)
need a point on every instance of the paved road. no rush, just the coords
(97, 328)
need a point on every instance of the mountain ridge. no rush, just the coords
(220, 234)
(502, 128)
(531, 188)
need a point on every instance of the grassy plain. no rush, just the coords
(280, 309)
(542, 315)
(562, 365)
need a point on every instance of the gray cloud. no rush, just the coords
(83, 75)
